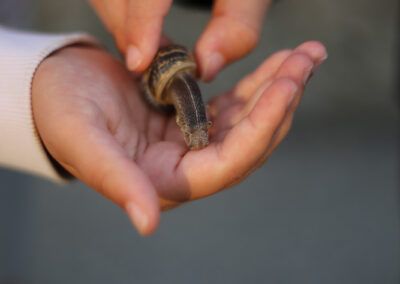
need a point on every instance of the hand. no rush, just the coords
(92, 120)
(137, 26)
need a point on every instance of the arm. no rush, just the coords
(20, 55)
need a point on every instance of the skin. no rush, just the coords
(137, 27)
(92, 120)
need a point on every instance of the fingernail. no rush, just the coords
(322, 60)
(213, 64)
(138, 217)
(307, 74)
(133, 58)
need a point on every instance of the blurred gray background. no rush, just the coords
(325, 209)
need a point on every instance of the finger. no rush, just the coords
(280, 135)
(317, 53)
(297, 65)
(113, 14)
(315, 50)
(117, 13)
(282, 130)
(143, 31)
(101, 11)
(249, 84)
(260, 78)
(226, 162)
(92, 155)
(232, 32)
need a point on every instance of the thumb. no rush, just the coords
(232, 33)
(144, 28)
(95, 157)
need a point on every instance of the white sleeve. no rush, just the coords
(20, 55)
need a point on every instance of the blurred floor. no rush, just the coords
(325, 209)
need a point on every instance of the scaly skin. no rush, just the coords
(170, 82)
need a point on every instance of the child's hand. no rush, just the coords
(93, 121)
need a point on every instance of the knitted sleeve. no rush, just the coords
(20, 55)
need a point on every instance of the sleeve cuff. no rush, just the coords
(20, 55)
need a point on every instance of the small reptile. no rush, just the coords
(169, 84)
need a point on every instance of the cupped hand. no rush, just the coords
(136, 25)
(91, 118)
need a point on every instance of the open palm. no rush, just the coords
(90, 116)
